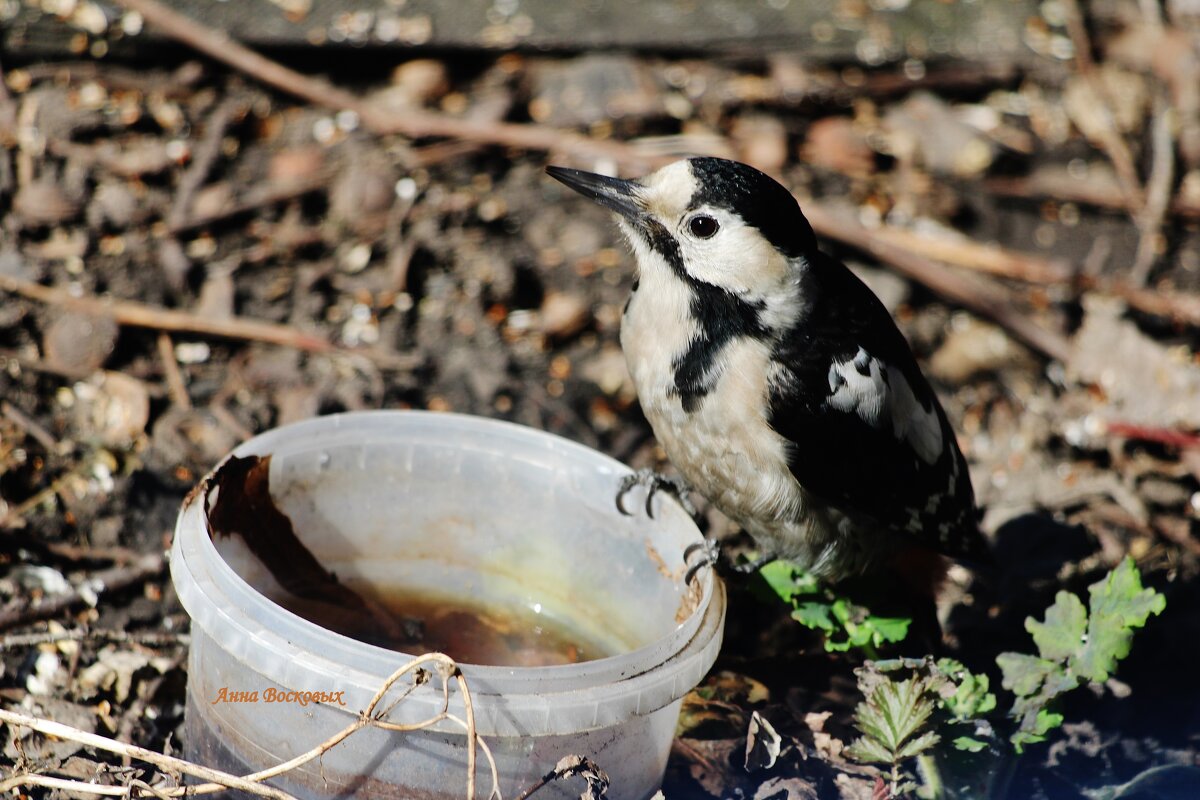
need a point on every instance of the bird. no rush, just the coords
(777, 383)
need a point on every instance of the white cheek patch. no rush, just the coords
(880, 395)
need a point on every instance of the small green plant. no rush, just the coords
(844, 624)
(909, 705)
(900, 718)
(1075, 646)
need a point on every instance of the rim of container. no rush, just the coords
(366, 664)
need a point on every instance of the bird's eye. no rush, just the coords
(703, 226)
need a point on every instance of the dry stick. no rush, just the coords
(219, 46)
(58, 730)
(207, 151)
(107, 580)
(1113, 144)
(171, 256)
(267, 194)
(978, 256)
(30, 426)
(176, 388)
(33, 779)
(985, 299)
(140, 315)
(1158, 193)
(1060, 187)
(143, 639)
(1180, 308)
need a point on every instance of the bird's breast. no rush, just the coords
(722, 444)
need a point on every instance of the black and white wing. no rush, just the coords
(869, 435)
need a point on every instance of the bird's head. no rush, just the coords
(709, 220)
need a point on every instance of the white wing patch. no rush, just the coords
(880, 395)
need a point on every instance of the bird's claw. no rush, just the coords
(710, 553)
(654, 483)
(751, 567)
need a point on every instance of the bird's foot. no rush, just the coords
(654, 482)
(705, 553)
(709, 556)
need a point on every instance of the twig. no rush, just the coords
(107, 580)
(171, 256)
(31, 427)
(1179, 308)
(58, 730)
(1158, 193)
(986, 299)
(1058, 185)
(33, 779)
(988, 258)
(176, 388)
(144, 638)
(14, 516)
(205, 155)
(141, 315)
(1167, 436)
(266, 195)
(1112, 142)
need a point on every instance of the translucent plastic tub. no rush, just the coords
(443, 502)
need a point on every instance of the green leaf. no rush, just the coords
(788, 582)
(1034, 728)
(1023, 674)
(814, 615)
(918, 745)
(904, 709)
(780, 577)
(1108, 641)
(971, 697)
(889, 629)
(1119, 604)
(1120, 594)
(968, 744)
(1062, 634)
(866, 750)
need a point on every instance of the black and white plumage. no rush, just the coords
(775, 380)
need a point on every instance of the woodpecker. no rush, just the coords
(776, 381)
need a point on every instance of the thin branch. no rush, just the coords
(170, 763)
(989, 258)
(31, 427)
(107, 580)
(141, 315)
(267, 194)
(1158, 193)
(1113, 144)
(176, 388)
(33, 779)
(1058, 186)
(143, 638)
(984, 298)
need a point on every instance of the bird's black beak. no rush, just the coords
(619, 195)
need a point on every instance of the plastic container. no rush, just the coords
(472, 505)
